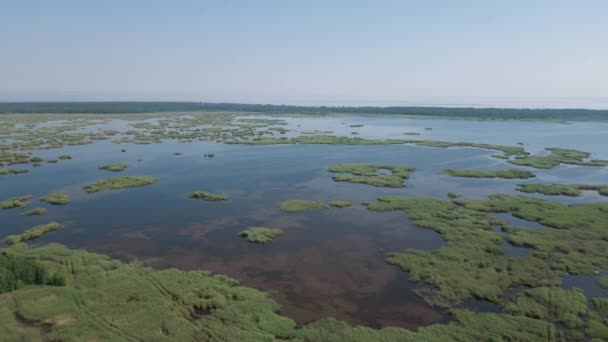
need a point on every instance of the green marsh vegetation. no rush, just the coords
(64, 157)
(261, 235)
(16, 202)
(35, 212)
(56, 198)
(556, 157)
(207, 196)
(301, 205)
(354, 126)
(370, 174)
(114, 167)
(506, 174)
(17, 272)
(340, 204)
(411, 133)
(603, 281)
(572, 190)
(32, 233)
(116, 183)
(12, 171)
(103, 299)
(453, 195)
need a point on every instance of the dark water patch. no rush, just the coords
(516, 221)
(588, 283)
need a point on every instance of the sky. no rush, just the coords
(307, 52)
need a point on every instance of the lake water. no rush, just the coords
(329, 263)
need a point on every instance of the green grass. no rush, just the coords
(370, 174)
(56, 198)
(64, 157)
(453, 195)
(207, 196)
(506, 174)
(340, 204)
(556, 157)
(603, 281)
(13, 171)
(107, 300)
(261, 235)
(471, 264)
(15, 202)
(116, 183)
(114, 167)
(32, 233)
(572, 190)
(35, 212)
(301, 205)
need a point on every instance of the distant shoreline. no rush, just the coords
(421, 112)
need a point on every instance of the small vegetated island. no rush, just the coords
(12, 171)
(116, 183)
(261, 235)
(35, 212)
(371, 174)
(301, 205)
(32, 233)
(207, 196)
(15, 202)
(506, 174)
(572, 190)
(340, 204)
(114, 167)
(56, 198)
(556, 157)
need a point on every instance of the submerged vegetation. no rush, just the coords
(506, 174)
(556, 157)
(301, 205)
(13, 171)
(56, 198)
(15, 202)
(261, 235)
(207, 196)
(116, 183)
(32, 233)
(370, 174)
(114, 167)
(572, 190)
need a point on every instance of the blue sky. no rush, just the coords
(303, 51)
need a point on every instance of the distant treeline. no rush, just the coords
(151, 107)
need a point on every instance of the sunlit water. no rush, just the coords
(329, 263)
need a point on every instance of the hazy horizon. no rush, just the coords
(521, 54)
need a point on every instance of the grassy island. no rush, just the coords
(506, 174)
(56, 198)
(35, 212)
(301, 205)
(370, 174)
(340, 204)
(116, 183)
(15, 202)
(556, 157)
(572, 190)
(261, 235)
(114, 167)
(32, 233)
(453, 195)
(207, 196)
(13, 171)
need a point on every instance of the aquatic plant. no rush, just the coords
(207, 196)
(572, 190)
(556, 157)
(301, 205)
(56, 198)
(369, 174)
(64, 157)
(261, 235)
(453, 195)
(15, 202)
(35, 211)
(340, 204)
(506, 174)
(32, 233)
(114, 167)
(13, 171)
(116, 183)
(411, 133)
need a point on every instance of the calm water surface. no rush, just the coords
(329, 263)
